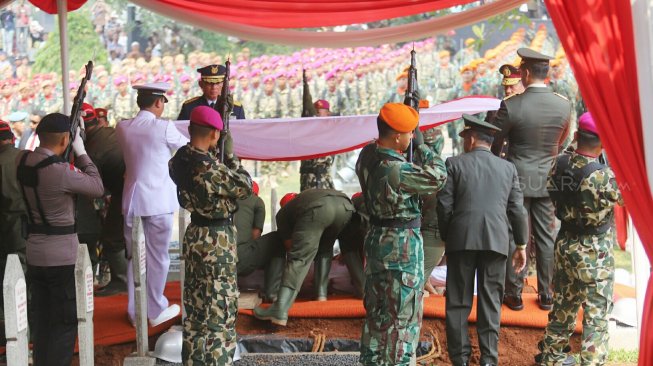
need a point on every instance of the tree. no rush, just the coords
(83, 44)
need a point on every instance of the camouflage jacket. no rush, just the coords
(207, 187)
(599, 193)
(393, 185)
(322, 165)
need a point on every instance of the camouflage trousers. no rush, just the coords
(210, 295)
(394, 281)
(584, 276)
(311, 180)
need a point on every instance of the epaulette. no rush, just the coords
(561, 96)
(510, 96)
(238, 103)
(191, 100)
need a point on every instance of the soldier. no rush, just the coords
(211, 80)
(308, 224)
(101, 114)
(146, 141)
(511, 81)
(49, 186)
(535, 124)
(46, 100)
(397, 95)
(100, 93)
(466, 88)
(584, 193)
(476, 208)
(393, 245)
(332, 94)
(104, 150)
(123, 101)
(467, 54)
(288, 105)
(269, 102)
(209, 189)
(445, 78)
(256, 251)
(12, 207)
(316, 173)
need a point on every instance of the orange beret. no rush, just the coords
(399, 117)
(444, 53)
(403, 75)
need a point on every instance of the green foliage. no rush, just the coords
(83, 43)
(621, 357)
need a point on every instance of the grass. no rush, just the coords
(621, 357)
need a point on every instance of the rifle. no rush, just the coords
(412, 95)
(223, 106)
(308, 109)
(76, 111)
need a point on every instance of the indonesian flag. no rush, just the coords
(308, 138)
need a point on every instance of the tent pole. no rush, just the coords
(643, 34)
(62, 10)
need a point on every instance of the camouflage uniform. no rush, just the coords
(316, 173)
(287, 103)
(337, 101)
(393, 248)
(584, 267)
(433, 245)
(444, 81)
(100, 98)
(209, 190)
(124, 107)
(268, 106)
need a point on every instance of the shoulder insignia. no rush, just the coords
(238, 103)
(191, 100)
(510, 96)
(561, 96)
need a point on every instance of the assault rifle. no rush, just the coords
(223, 106)
(308, 109)
(76, 111)
(412, 94)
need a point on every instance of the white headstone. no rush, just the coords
(15, 304)
(85, 306)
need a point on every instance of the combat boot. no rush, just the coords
(321, 279)
(277, 313)
(118, 267)
(272, 281)
(354, 265)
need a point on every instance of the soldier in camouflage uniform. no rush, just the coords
(584, 262)
(269, 103)
(316, 173)
(100, 93)
(46, 100)
(123, 103)
(209, 189)
(332, 94)
(466, 88)
(445, 79)
(393, 245)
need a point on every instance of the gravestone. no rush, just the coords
(85, 305)
(14, 290)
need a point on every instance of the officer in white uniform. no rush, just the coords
(148, 143)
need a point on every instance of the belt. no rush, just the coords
(199, 220)
(51, 230)
(306, 170)
(585, 230)
(396, 223)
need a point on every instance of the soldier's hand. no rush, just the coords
(78, 144)
(230, 102)
(418, 138)
(519, 260)
(228, 143)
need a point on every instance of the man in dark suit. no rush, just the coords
(535, 124)
(212, 78)
(476, 208)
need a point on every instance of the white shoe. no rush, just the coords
(167, 314)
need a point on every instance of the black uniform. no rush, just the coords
(238, 112)
(479, 202)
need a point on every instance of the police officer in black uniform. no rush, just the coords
(212, 78)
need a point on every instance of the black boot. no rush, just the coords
(118, 267)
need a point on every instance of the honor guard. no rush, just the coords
(210, 82)
(535, 124)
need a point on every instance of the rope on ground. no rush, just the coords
(319, 340)
(434, 352)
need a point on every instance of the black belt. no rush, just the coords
(306, 170)
(397, 223)
(199, 220)
(51, 230)
(585, 230)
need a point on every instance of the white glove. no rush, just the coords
(78, 143)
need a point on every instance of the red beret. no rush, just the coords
(206, 116)
(101, 112)
(89, 112)
(255, 187)
(321, 104)
(287, 198)
(586, 123)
